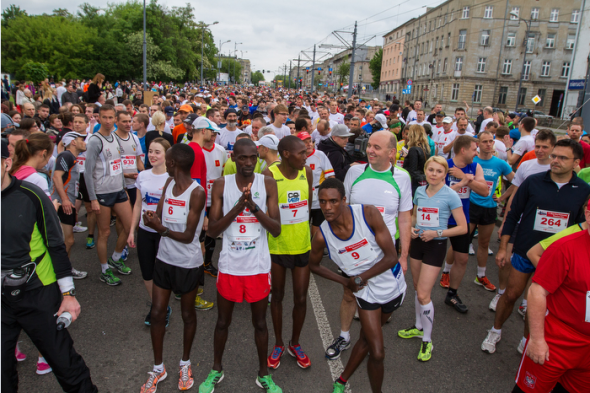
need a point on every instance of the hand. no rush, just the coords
(538, 351)
(404, 262)
(71, 305)
(67, 207)
(415, 233)
(150, 219)
(468, 178)
(500, 230)
(428, 236)
(501, 258)
(456, 173)
(95, 206)
(131, 239)
(352, 285)
(56, 204)
(508, 141)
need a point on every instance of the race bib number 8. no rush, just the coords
(174, 211)
(115, 167)
(550, 222)
(244, 228)
(428, 217)
(294, 213)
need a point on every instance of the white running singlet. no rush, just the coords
(215, 160)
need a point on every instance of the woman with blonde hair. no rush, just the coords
(499, 118)
(418, 152)
(159, 122)
(95, 88)
(434, 203)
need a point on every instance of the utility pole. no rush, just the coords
(144, 51)
(289, 74)
(313, 70)
(351, 77)
(298, 61)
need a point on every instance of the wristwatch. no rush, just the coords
(439, 232)
(165, 233)
(255, 210)
(358, 281)
(71, 292)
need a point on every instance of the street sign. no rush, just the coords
(409, 87)
(536, 99)
(409, 82)
(406, 91)
(576, 84)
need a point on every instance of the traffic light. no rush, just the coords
(330, 72)
(263, 71)
(319, 72)
(307, 70)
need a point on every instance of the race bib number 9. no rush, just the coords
(428, 217)
(175, 211)
(115, 167)
(294, 213)
(550, 222)
(357, 254)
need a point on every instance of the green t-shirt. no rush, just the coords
(567, 231)
(230, 167)
(584, 174)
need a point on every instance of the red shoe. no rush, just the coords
(20, 357)
(274, 359)
(445, 280)
(152, 383)
(484, 282)
(43, 368)
(302, 359)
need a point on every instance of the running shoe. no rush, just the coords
(113, 222)
(489, 344)
(274, 359)
(20, 357)
(425, 351)
(210, 269)
(168, 313)
(335, 349)
(148, 318)
(78, 228)
(410, 333)
(485, 283)
(90, 243)
(186, 380)
(152, 383)
(522, 310)
(125, 254)
(302, 359)
(43, 368)
(455, 302)
(445, 280)
(213, 379)
(490, 252)
(338, 387)
(78, 275)
(202, 304)
(268, 384)
(494, 302)
(119, 266)
(476, 233)
(109, 278)
(471, 250)
(521, 346)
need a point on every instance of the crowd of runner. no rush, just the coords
(286, 180)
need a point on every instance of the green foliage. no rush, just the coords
(32, 71)
(233, 68)
(375, 67)
(342, 73)
(10, 13)
(257, 77)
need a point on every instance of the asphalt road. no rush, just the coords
(116, 345)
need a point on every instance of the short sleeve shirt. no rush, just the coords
(440, 204)
(584, 174)
(66, 162)
(528, 168)
(322, 169)
(492, 170)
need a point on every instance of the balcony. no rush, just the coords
(457, 74)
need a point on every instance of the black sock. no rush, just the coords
(341, 381)
(451, 292)
(91, 236)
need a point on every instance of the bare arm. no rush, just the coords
(447, 149)
(217, 221)
(479, 185)
(135, 219)
(404, 221)
(535, 254)
(315, 259)
(537, 348)
(309, 174)
(66, 205)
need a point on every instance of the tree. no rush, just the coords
(10, 13)
(257, 77)
(375, 67)
(342, 72)
(32, 71)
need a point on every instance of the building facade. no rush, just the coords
(391, 66)
(246, 76)
(476, 53)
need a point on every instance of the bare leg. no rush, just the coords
(158, 320)
(225, 309)
(260, 334)
(516, 284)
(68, 231)
(347, 310)
(300, 286)
(123, 211)
(104, 231)
(278, 274)
(189, 317)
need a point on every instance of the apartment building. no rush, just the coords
(392, 64)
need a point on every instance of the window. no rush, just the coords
(465, 14)
(488, 12)
(462, 39)
(445, 20)
(530, 43)
(515, 13)
(502, 95)
(550, 40)
(438, 67)
(575, 16)
(565, 69)
(422, 51)
(511, 40)
(526, 70)
(554, 16)
(507, 67)
(541, 93)
(436, 46)
(569, 44)
(534, 14)
(438, 23)
(430, 26)
(477, 93)
(522, 96)
(459, 64)
(449, 40)
(485, 38)
(481, 64)
(455, 92)
(431, 45)
(546, 68)
(445, 66)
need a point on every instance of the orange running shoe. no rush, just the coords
(445, 280)
(152, 383)
(185, 381)
(484, 282)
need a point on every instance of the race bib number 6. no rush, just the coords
(174, 211)
(550, 222)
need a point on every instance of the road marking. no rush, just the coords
(336, 367)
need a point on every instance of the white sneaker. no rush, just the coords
(78, 228)
(489, 344)
(356, 315)
(494, 302)
(490, 252)
(78, 275)
(471, 251)
(521, 345)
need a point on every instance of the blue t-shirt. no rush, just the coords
(492, 170)
(143, 149)
(465, 192)
(432, 147)
(439, 205)
(97, 127)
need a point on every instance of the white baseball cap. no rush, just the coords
(381, 119)
(70, 136)
(202, 122)
(270, 141)
(448, 119)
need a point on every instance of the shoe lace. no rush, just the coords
(211, 378)
(267, 382)
(299, 352)
(277, 352)
(151, 379)
(184, 373)
(424, 346)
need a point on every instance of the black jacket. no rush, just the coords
(93, 93)
(53, 105)
(338, 157)
(414, 164)
(69, 97)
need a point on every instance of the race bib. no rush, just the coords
(357, 254)
(142, 156)
(115, 167)
(294, 213)
(463, 192)
(81, 161)
(587, 306)
(210, 185)
(490, 187)
(314, 193)
(244, 228)
(399, 163)
(428, 217)
(550, 222)
(381, 209)
(129, 162)
(175, 211)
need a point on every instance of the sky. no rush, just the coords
(272, 33)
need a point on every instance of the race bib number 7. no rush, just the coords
(294, 213)
(550, 222)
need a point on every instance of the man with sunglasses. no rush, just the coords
(545, 203)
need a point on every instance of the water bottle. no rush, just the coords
(64, 320)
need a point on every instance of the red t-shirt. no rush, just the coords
(564, 271)
(199, 168)
(585, 161)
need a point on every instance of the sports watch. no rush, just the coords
(358, 281)
(71, 292)
(439, 232)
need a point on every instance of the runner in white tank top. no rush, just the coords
(244, 207)
(360, 244)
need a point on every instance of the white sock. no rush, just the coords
(183, 363)
(345, 335)
(41, 360)
(447, 268)
(117, 255)
(104, 267)
(523, 340)
(524, 303)
(418, 313)
(481, 272)
(158, 368)
(427, 320)
(499, 331)
(501, 291)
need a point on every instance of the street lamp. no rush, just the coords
(203, 27)
(219, 58)
(235, 51)
(528, 28)
(144, 51)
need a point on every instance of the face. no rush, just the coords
(129, 108)
(324, 114)
(231, 118)
(89, 111)
(378, 151)
(183, 115)
(543, 149)
(80, 144)
(370, 117)
(291, 128)
(124, 123)
(331, 203)
(80, 125)
(246, 158)
(107, 119)
(256, 126)
(75, 110)
(562, 160)
(153, 109)
(282, 116)
(486, 143)
(169, 163)
(575, 132)
(57, 124)
(29, 110)
(439, 120)
(156, 154)
(17, 118)
(437, 108)
(459, 114)
(308, 146)
(96, 116)
(297, 156)
(177, 120)
(12, 139)
(469, 153)
(215, 117)
(462, 126)
(144, 110)
(362, 104)
(495, 117)
(435, 173)
(420, 116)
(354, 124)
(417, 105)
(333, 107)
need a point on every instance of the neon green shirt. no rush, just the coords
(584, 174)
(567, 231)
